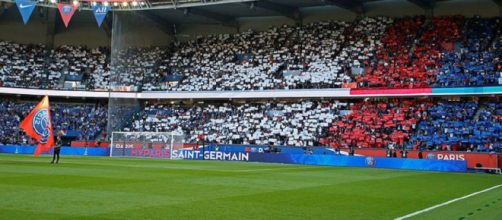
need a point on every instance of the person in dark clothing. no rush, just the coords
(420, 154)
(57, 148)
(351, 151)
(404, 153)
(337, 150)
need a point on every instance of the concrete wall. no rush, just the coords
(314, 14)
(263, 23)
(191, 31)
(13, 29)
(83, 30)
(137, 30)
(392, 8)
(468, 8)
(16, 31)
(86, 34)
(133, 29)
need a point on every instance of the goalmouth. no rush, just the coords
(145, 144)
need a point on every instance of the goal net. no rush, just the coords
(145, 144)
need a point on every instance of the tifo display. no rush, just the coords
(435, 124)
(415, 52)
(251, 109)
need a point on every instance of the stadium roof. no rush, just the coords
(227, 12)
(271, 7)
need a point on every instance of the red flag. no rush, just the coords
(38, 125)
(66, 11)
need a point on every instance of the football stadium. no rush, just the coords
(251, 109)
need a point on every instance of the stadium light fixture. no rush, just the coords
(93, 3)
(134, 3)
(125, 4)
(75, 2)
(142, 3)
(106, 4)
(53, 1)
(115, 4)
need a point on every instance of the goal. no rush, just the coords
(145, 144)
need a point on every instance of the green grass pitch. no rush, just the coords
(128, 188)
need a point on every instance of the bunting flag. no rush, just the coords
(66, 11)
(100, 12)
(26, 9)
(38, 125)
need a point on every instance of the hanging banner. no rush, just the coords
(26, 9)
(66, 11)
(100, 12)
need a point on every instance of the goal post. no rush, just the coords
(145, 144)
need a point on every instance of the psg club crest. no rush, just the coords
(41, 124)
(67, 9)
(431, 156)
(370, 161)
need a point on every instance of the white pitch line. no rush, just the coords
(446, 203)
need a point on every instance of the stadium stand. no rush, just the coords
(79, 64)
(409, 56)
(475, 59)
(392, 123)
(78, 121)
(137, 68)
(470, 126)
(410, 52)
(32, 66)
(369, 52)
(22, 65)
(295, 124)
(377, 124)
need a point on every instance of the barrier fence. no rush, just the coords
(471, 159)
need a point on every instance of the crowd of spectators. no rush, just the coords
(377, 124)
(137, 68)
(295, 124)
(456, 125)
(23, 65)
(395, 123)
(33, 66)
(80, 121)
(75, 63)
(475, 60)
(317, 55)
(410, 52)
(368, 52)
(432, 124)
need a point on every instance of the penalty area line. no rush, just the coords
(446, 203)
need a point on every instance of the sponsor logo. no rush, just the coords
(41, 124)
(24, 6)
(101, 10)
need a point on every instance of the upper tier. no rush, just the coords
(380, 52)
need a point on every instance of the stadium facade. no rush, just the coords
(364, 74)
